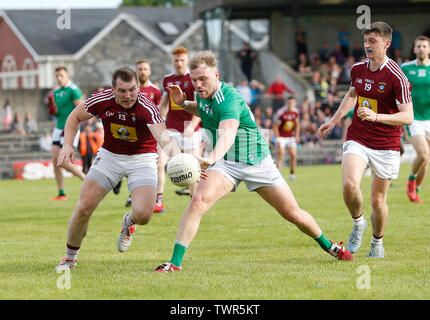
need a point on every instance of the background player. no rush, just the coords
(380, 93)
(182, 126)
(67, 96)
(286, 129)
(229, 120)
(148, 89)
(418, 73)
(131, 122)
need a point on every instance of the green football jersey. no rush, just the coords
(419, 77)
(227, 103)
(64, 97)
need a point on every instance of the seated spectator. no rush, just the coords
(18, 125)
(245, 91)
(303, 66)
(347, 66)
(6, 116)
(358, 52)
(45, 141)
(324, 88)
(309, 136)
(268, 118)
(334, 68)
(30, 125)
(316, 83)
(338, 54)
(304, 107)
(332, 89)
(258, 116)
(337, 131)
(324, 52)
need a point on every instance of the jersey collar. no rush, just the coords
(382, 65)
(218, 89)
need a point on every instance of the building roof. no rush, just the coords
(39, 27)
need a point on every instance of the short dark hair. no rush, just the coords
(60, 68)
(139, 61)
(383, 29)
(125, 74)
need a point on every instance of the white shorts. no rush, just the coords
(109, 168)
(420, 127)
(186, 143)
(384, 163)
(264, 174)
(286, 142)
(58, 138)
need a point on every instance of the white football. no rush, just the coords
(183, 170)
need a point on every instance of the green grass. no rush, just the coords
(243, 250)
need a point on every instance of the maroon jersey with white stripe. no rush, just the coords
(152, 92)
(381, 91)
(287, 121)
(177, 116)
(125, 130)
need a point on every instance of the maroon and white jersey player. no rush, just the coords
(381, 91)
(126, 130)
(152, 92)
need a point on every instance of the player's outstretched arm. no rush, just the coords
(179, 97)
(78, 115)
(348, 102)
(159, 132)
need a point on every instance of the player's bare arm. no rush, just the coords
(77, 102)
(159, 132)
(276, 128)
(401, 118)
(227, 130)
(348, 102)
(78, 115)
(164, 105)
(179, 97)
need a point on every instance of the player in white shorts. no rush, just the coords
(132, 127)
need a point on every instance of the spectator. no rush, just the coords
(277, 89)
(332, 89)
(18, 125)
(324, 52)
(309, 134)
(45, 141)
(7, 116)
(324, 88)
(88, 147)
(245, 91)
(337, 131)
(50, 103)
(338, 54)
(347, 66)
(301, 41)
(358, 52)
(334, 68)
(396, 43)
(258, 117)
(344, 38)
(315, 61)
(30, 125)
(268, 118)
(256, 90)
(303, 66)
(246, 57)
(316, 83)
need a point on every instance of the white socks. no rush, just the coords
(358, 221)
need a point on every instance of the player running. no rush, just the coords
(132, 127)
(67, 96)
(182, 126)
(287, 129)
(149, 90)
(240, 154)
(418, 73)
(381, 95)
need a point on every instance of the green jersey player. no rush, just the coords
(239, 154)
(67, 96)
(418, 73)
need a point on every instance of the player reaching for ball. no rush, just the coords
(240, 153)
(132, 127)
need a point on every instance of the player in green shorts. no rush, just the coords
(67, 96)
(240, 153)
(418, 73)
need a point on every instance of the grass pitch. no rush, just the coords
(244, 250)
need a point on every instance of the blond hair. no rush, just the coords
(203, 57)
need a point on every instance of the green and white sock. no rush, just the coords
(413, 177)
(323, 242)
(178, 253)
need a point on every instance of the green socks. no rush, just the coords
(61, 192)
(323, 242)
(178, 253)
(412, 177)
